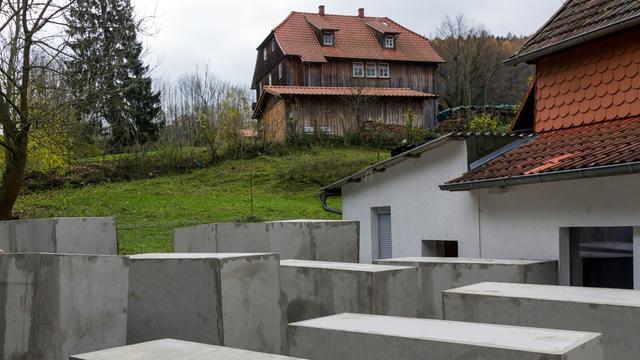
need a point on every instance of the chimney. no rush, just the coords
(321, 10)
(361, 12)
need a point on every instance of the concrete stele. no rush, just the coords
(360, 336)
(170, 349)
(230, 299)
(438, 273)
(613, 312)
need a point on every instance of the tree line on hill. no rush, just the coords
(74, 84)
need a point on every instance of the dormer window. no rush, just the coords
(327, 39)
(389, 42)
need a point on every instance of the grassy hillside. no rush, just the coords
(147, 211)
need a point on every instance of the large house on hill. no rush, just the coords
(317, 71)
(564, 186)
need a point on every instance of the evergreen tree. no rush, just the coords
(107, 74)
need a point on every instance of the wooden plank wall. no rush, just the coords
(274, 120)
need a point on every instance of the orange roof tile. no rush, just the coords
(601, 144)
(355, 39)
(343, 91)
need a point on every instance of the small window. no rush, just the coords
(372, 70)
(439, 248)
(383, 70)
(264, 54)
(280, 71)
(358, 69)
(389, 42)
(273, 45)
(269, 79)
(328, 39)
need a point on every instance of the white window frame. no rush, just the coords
(389, 41)
(270, 82)
(280, 71)
(264, 54)
(360, 66)
(329, 36)
(371, 66)
(381, 73)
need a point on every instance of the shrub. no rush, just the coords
(485, 123)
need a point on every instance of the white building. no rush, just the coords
(569, 190)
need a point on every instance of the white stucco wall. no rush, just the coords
(419, 209)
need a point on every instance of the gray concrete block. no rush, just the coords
(294, 239)
(220, 299)
(312, 289)
(613, 312)
(371, 337)
(438, 274)
(55, 305)
(170, 349)
(89, 235)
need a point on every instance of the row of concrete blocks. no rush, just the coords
(230, 299)
(294, 239)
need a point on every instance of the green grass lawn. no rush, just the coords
(147, 211)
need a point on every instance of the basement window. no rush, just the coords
(372, 70)
(383, 70)
(389, 42)
(327, 39)
(358, 69)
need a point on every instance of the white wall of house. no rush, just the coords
(521, 222)
(419, 209)
(529, 221)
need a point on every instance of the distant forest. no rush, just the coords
(474, 73)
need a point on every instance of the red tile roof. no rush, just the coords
(578, 21)
(596, 82)
(343, 91)
(608, 143)
(354, 39)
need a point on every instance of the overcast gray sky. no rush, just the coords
(224, 34)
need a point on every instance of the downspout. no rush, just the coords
(323, 201)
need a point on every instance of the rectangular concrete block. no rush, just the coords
(437, 274)
(313, 289)
(55, 305)
(170, 349)
(220, 299)
(89, 235)
(372, 337)
(293, 239)
(613, 312)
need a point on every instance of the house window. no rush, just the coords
(269, 79)
(383, 70)
(372, 70)
(280, 71)
(358, 69)
(273, 45)
(264, 54)
(439, 248)
(327, 39)
(389, 42)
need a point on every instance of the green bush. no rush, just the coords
(485, 123)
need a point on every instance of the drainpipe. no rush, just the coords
(323, 201)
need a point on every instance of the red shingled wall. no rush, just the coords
(596, 82)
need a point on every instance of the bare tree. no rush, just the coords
(26, 27)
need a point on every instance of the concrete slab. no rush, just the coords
(437, 274)
(170, 349)
(372, 337)
(312, 289)
(613, 312)
(55, 305)
(220, 299)
(292, 239)
(89, 235)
